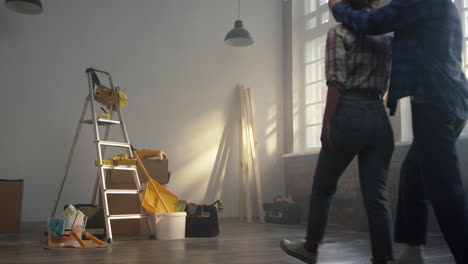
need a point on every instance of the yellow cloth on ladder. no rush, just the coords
(123, 99)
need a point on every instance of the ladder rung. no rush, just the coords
(122, 191)
(127, 216)
(114, 144)
(108, 167)
(102, 122)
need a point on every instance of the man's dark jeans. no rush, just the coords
(431, 174)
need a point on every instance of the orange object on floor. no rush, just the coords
(78, 238)
(94, 239)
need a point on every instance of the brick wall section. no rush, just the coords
(347, 208)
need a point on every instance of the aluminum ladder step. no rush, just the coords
(102, 122)
(127, 216)
(123, 191)
(128, 168)
(114, 144)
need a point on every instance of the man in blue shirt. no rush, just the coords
(427, 50)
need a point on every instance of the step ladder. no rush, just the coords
(101, 145)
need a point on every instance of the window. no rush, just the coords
(463, 7)
(315, 89)
(316, 23)
(311, 20)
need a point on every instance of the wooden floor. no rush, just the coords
(238, 243)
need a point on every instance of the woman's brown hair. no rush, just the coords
(361, 4)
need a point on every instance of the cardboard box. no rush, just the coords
(157, 169)
(11, 195)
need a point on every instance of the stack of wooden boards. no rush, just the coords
(248, 162)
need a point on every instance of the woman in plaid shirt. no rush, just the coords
(355, 123)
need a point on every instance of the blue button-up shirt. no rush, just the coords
(427, 49)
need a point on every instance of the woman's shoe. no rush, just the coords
(411, 255)
(383, 262)
(298, 250)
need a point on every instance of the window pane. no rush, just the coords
(322, 70)
(465, 57)
(310, 6)
(324, 90)
(316, 93)
(466, 53)
(312, 93)
(313, 136)
(325, 17)
(313, 72)
(315, 49)
(310, 52)
(314, 114)
(311, 23)
(322, 47)
(465, 18)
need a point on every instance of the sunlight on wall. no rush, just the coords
(271, 144)
(192, 177)
(198, 147)
(296, 121)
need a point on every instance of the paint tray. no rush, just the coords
(152, 198)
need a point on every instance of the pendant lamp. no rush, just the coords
(28, 7)
(238, 36)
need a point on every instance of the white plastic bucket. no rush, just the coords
(170, 225)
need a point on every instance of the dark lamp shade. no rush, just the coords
(29, 7)
(238, 36)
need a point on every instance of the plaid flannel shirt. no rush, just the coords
(426, 49)
(356, 61)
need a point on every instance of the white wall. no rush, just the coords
(181, 81)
